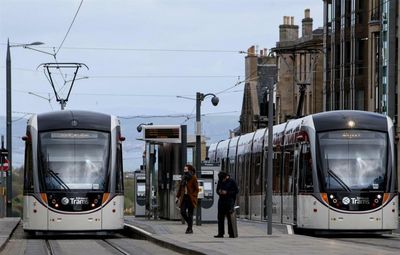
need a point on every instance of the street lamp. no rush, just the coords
(9, 120)
(140, 126)
(199, 98)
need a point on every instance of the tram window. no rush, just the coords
(354, 160)
(276, 186)
(241, 174)
(120, 185)
(74, 159)
(28, 178)
(288, 171)
(305, 170)
(247, 171)
(232, 170)
(256, 174)
(227, 166)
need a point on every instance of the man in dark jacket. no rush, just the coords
(227, 190)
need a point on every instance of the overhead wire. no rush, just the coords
(69, 28)
(190, 116)
(178, 50)
(153, 50)
(160, 76)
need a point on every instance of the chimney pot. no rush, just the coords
(307, 23)
(306, 13)
(251, 51)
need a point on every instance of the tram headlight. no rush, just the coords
(53, 201)
(331, 196)
(379, 196)
(93, 204)
(56, 205)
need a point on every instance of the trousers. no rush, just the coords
(225, 209)
(187, 211)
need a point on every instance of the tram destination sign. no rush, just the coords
(162, 133)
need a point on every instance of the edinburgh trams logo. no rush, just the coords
(64, 201)
(75, 201)
(346, 200)
(79, 200)
(356, 200)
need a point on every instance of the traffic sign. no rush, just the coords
(4, 166)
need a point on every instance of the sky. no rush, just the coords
(146, 57)
(129, 49)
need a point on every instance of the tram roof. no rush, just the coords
(332, 120)
(74, 119)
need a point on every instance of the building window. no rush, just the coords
(360, 100)
(375, 10)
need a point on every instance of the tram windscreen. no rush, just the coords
(353, 160)
(74, 159)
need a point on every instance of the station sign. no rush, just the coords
(162, 133)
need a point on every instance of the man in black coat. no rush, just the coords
(227, 190)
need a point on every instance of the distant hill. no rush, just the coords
(215, 128)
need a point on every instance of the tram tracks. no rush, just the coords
(115, 247)
(49, 247)
(39, 243)
(391, 242)
(50, 250)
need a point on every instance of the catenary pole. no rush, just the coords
(9, 130)
(199, 98)
(270, 156)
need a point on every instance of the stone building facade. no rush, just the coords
(300, 65)
(260, 71)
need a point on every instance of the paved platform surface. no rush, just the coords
(7, 226)
(253, 239)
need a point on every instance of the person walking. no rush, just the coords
(227, 190)
(187, 196)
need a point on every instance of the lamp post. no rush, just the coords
(199, 98)
(9, 120)
(270, 157)
(148, 151)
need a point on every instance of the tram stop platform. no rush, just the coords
(7, 227)
(252, 239)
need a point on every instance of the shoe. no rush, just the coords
(219, 236)
(189, 231)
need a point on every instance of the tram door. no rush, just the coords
(297, 156)
(247, 185)
(288, 185)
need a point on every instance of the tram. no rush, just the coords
(73, 176)
(331, 171)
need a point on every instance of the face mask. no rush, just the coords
(188, 175)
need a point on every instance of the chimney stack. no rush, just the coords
(288, 31)
(307, 24)
(251, 51)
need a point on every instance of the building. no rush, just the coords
(300, 69)
(260, 72)
(361, 55)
